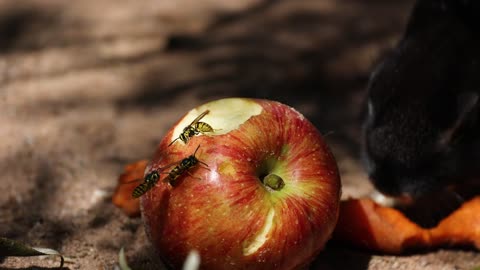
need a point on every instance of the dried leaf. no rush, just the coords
(11, 248)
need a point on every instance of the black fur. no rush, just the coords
(422, 131)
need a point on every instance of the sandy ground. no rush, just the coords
(89, 86)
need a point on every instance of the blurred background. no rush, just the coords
(89, 86)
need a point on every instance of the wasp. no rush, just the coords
(148, 182)
(183, 166)
(195, 128)
(180, 167)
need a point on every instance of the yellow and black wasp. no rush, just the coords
(180, 167)
(195, 128)
(183, 166)
(148, 182)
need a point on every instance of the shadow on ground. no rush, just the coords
(295, 54)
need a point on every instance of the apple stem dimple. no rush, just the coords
(273, 181)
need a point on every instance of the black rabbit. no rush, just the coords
(422, 129)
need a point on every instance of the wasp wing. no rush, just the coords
(199, 117)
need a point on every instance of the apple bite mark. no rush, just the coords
(260, 239)
(222, 117)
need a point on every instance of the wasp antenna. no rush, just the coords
(196, 150)
(172, 142)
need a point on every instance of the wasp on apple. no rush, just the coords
(194, 128)
(149, 181)
(184, 166)
(181, 167)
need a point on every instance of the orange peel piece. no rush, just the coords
(461, 228)
(367, 225)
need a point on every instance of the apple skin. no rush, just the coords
(224, 211)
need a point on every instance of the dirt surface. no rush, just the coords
(89, 86)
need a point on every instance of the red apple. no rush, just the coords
(269, 198)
